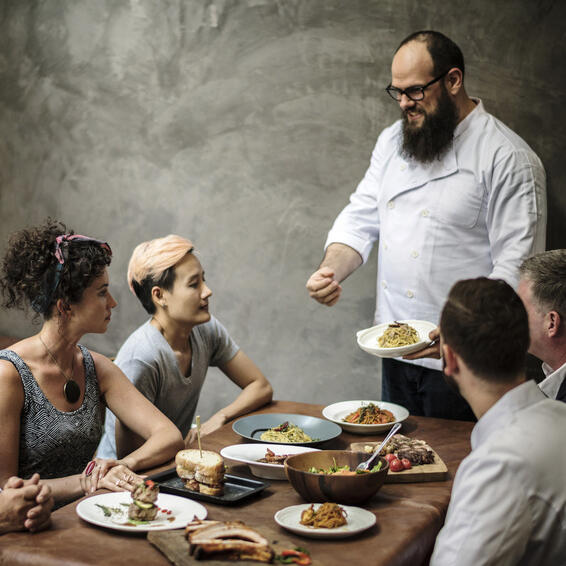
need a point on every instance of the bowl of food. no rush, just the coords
(264, 460)
(365, 417)
(330, 475)
(285, 428)
(395, 339)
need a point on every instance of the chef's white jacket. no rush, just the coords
(480, 210)
(508, 501)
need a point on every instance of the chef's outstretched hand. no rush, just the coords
(323, 287)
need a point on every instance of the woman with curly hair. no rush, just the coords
(53, 391)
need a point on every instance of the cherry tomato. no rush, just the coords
(389, 457)
(406, 463)
(396, 465)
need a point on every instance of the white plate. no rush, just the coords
(338, 411)
(358, 520)
(367, 339)
(250, 454)
(182, 512)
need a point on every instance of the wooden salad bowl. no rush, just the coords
(346, 489)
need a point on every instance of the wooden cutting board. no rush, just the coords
(175, 547)
(426, 472)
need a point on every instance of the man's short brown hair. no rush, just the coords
(485, 323)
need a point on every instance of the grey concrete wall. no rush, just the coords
(244, 125)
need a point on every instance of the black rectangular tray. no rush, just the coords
(236, 488)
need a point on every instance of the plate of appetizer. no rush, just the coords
(396, 338)
(284, 428)
(365, 417)
(264, 460)
(325, 520)
(200, 474)
(142, 510)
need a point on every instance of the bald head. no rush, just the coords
(444, 53)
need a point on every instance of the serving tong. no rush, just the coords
(365, 466)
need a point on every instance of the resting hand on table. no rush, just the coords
(25, 504)
(212, 424)
(323, 287)
(431, 351)
(108, 474)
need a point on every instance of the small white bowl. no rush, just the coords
(339, 411)
(367, 339)
(250, 454)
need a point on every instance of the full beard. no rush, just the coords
(435, 136)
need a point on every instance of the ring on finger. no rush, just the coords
(118, 481)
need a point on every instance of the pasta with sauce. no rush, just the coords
(327, 516)
(398, 334)
(286, 432)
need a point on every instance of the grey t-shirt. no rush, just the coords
(150, 364)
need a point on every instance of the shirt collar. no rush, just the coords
(465, 123)
(553, 381)
(500, 414)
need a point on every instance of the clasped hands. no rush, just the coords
(25, 505)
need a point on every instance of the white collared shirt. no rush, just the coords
(551, 384)
(508, 503)
(479, 211)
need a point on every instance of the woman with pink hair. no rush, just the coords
(167, 358)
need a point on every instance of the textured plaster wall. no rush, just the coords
(244, 125)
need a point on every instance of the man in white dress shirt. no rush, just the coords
(508, 503)
(450, 193)
(542, 288)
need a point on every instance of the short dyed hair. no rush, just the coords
(485, 323)
(445, 54)
(547, 273)
(153, 264)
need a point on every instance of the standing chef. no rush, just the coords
(451, 193)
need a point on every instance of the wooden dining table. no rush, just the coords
(409, 515)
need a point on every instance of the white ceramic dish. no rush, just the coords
(367, 339)
(358, 520)
(338, 411)
(182, 512)
(250, 454)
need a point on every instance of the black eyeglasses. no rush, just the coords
(415, 93)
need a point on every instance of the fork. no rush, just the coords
(364, 466)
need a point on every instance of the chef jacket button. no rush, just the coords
(384, 284)
(425, 212)
(410, 294)
(385, 247)
(414, 253)
(403, 167)
(390, 204)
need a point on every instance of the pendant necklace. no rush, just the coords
(71, 389)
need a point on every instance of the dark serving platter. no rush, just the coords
(253, 426)
(236, 488)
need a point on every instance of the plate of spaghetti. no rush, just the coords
(365, 417)
(395, 339)
(325, 520)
